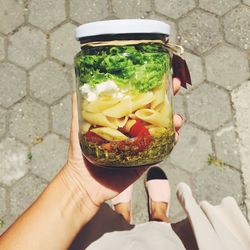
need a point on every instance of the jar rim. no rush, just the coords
(122, 26)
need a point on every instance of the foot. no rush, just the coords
(124, 210)
(122, 203)
(159, 211)
(158, 194)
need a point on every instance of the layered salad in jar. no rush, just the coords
(126, 117)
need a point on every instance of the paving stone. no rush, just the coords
(27, 47)
(175, 176)
(11, 15)
(2, 202)
(61, 117)
(173, 28)
(2, 52)
(12, 84)
(88, 10)
(140, 213)
(227, 67)
(196, 69)
(209, 106)
(200, 31)
(131, 8)
(28, 120)
(24, 193)
(192, 150)
(237, 27)
(226, 146)
(48, 82)
(219, 7)
(8, 220)
(241, 103)
(214, 183)
(49, 156)
(3, 114)
(13, 161)
(63, 43)
(46, 14)
(174, 8)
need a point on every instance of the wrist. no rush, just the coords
(77, 199)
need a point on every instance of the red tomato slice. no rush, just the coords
(92, 137)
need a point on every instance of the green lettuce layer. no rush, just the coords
(138, 67)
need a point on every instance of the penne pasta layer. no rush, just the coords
(85, 127)
(159, 96)
(153, 117)
(100, 104)
(139, 101)
(98, 119)
(109, 134)
(123, 108)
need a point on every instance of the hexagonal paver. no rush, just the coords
(241, 103)
(61, 116)
(173, 28)
(139, 208)
(218, 7)
(174, 8)
(175, 175)
(54, 11)
(196, 69)
(12, 84)
(63, 43)
(96, 10)
(28, 120)
(2, 121)
(8, 220)
(48, 82)
(131, 8)
(200, 31)
(2, 50)
(11, 15)
(49, 156)
(214, 183)
(236, 26)
(2, 201)
(192, 150)
(27, 47)
(226, 146)
(227, 67)
(13, 161)
(209, 106)
(24, 193)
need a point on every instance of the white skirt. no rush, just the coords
(221, 227)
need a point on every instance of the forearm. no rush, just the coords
(54, 219)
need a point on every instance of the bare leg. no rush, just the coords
(159, 211)
(124, 210)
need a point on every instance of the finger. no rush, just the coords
(178, 121)
(176, 85)
(74, 122)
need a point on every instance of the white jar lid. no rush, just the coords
(122, 26)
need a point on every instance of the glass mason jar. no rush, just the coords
(124, 88)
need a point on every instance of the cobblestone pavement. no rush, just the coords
(36, 78)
